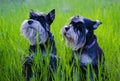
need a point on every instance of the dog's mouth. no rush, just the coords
(67, 36)
(30, 27)
(75, 41)
(32, 31)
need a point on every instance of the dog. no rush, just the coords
(80, 37)
(37, 31)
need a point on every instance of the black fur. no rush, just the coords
(90, 48)
(49, 44)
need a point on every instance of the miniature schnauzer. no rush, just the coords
(37, 31)
(79, 36)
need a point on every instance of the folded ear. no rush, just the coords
(96, 24)
(31, 13)
(51, 16)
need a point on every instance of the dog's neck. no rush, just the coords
(42, 46)
(90, 42)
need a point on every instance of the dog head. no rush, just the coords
(78, 30)
(37, 27)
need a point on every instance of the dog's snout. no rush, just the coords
(67, 28)
(30, 22)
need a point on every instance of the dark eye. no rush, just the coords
(34, 17)
(72, 23)
(41, 18)
(78, 26)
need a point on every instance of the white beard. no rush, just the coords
(73, 39)
(34, 33)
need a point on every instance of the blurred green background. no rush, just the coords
(14, 47)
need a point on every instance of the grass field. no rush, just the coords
(14, 47)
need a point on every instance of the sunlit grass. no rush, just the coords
(14, 47)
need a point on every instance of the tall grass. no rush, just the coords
(14, 47)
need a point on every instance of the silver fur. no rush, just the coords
(34, 31)
(74, 40)
(97, 23)
(86, 59)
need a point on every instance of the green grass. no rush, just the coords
(14, 47)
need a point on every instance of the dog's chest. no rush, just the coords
(85, 59)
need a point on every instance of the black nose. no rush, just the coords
(30, 22)
(67, 28)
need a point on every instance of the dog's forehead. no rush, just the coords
(38, 14)
(87, 20)
(77, 19)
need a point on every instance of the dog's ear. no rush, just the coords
(51, 16)
(96, 24)
(31, 13)
(90, 24)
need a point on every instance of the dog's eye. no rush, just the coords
(32, 17)
(79, 24)
(78, 29)
(41, 18)
(73, 23)
(76, 24)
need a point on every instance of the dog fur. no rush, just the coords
(37, 31)
(80, 37)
